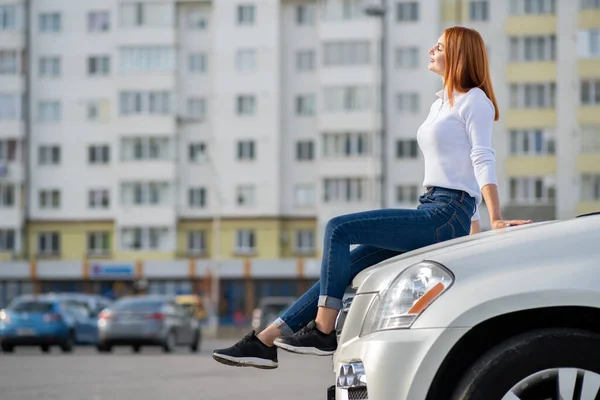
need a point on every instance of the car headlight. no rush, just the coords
(411, 292)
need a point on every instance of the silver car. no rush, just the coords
(148, 321)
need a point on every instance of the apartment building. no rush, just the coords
(160, 130)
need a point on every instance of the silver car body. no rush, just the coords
(496, 273)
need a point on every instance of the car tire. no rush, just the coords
(169, 343)
(68, 345)
(195, 346)
(103, 348)
(7, 348)
(136, 348)
(45, 348)
(494, 374)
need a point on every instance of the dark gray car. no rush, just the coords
(148, 321)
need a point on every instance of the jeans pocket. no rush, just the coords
(452, 229)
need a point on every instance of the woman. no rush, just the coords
(456, 141)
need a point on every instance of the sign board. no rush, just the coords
(112, 271)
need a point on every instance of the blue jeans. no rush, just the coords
(442, 214)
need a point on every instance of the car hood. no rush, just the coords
(376, 278)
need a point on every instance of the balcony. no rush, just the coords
(531, 72)
(531, 25)
(589, 162)
(589, 115)
(530, 118)
(589, 19)
(588, 68)
(524, 166)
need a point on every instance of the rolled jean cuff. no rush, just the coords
(283, 327)
(330, 302)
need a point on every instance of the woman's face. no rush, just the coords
(437, 63)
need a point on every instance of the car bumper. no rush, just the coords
(146, 334)
(33, 336)
(398, 364)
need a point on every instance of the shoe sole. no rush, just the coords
(313, 351)
(245, 362)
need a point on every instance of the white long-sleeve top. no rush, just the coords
(457, 143)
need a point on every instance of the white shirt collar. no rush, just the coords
(443, 94)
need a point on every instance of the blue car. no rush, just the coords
(44, 321)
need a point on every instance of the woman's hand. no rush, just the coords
(499, 224)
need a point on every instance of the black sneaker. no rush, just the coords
(248, 352)
(309, 340)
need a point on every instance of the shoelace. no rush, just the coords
(246, 339)
(305, 331)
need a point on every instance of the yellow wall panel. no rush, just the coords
(531, 166)
(588, 163)
(589, 19)
(530, 118)
(588, 68)
(530, 25)
(588, 115)
(588, 207)
(535, 72)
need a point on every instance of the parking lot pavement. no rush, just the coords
(86, 375)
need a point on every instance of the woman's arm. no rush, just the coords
(475, 227)
(492, 201)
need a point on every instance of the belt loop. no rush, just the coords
(462, 195)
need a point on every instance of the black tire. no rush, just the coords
(169, 343)
(511, 361)
(136, 348)
(103, 348)
(195, 346)
(45, 348)
(8, 348)
(68, 345)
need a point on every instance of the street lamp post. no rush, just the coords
(380, 11)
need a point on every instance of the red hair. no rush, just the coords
(467, 64)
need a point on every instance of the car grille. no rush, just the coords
(358, 393)
(341, 318)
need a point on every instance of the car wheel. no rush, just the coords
(195, 346)
(68, 344)
(7, 348)
(169, 343)
(136, 349)
(45, 348)
(546, 364)
(104, 348)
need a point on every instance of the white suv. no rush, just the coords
(511, 314)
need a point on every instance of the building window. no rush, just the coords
(305, 242)
(197, 18)
(49, 111)
(347, 99)
(147, 59)
(98, 21)
(305, 105)
(478, 10)
(532, 142)
(198, 63)
(8, 61)
(245, 60)
(97, 110)
(98, 199)
(408, 103)
(246, 105)
(305, 60)
(49, 155)
(145, 238)
(245, 195)
(198, 152)
(197, 197)
(407, 57)
(99, 154)
(304, 196)
(590, 187)
(146, 14)
(245, 150)
(8, 16)
(8, 150)
(407, 11)
(532, 7)
(11, 106)
(346, 53)
(345, 190)
(146, 193)
(196, 242)
(588, 41)
(49, 198)
(533, 95)
(49, 67)
(407, 148)
(590, 4)
(590, 139)
(50, 22)
(407, 194)
(246, 14)
(98, 66)
(245, 242)
(7, 195)
(305, 15)
(305, 150)
(7, 240)
(48, 243)
(532, 48)
(196, 109)
(146, 148)
(145, 103)
(348, 144)
(532, 190)
(98, 243)
(590, 92)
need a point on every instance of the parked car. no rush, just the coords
(506, 314)
(44, 321)
(268, 310)
(148, 320)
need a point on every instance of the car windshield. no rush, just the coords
(32, 307)
(137, 305)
